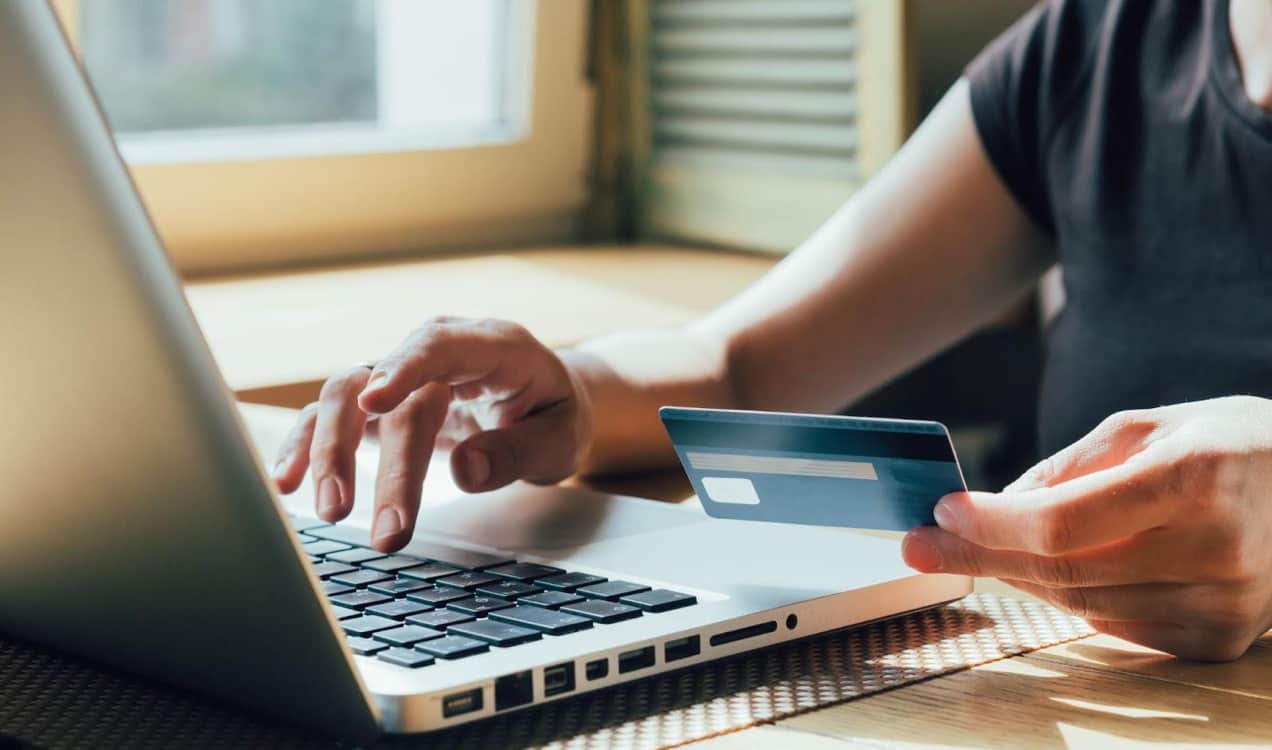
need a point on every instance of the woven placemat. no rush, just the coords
(51, 701)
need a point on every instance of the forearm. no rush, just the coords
(927, 252)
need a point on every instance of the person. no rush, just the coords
(1131, 141)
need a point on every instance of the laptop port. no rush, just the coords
(513, 690)
(634, 660)
(597, 669)
(682, 648)
(461, 703)
(741, 634)
(558, 679)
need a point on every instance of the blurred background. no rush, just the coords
(581, 166)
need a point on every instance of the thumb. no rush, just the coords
(1110, 444)
(543, 448)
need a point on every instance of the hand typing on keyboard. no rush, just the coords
(503, 404)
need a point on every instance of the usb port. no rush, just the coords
(682, 648)
(597, 669)
(634, 660)
(461, 703)
(558, 679)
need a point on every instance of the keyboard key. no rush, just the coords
(304, 523)
(361, 577)
(331, 588)
(660, 600)
(569, 581)
(368, 624)
(344, 613)
(439, 619)
(405, 657)
(468, 580)
(365, 646)
(407, 635)
(429, 572)
(437, 597)
(496, 633)
(392, 563)
(611, 590)
(323, 547)
(603, 611)
(398, 587)
(525, 571)
(398, 609)
(360, 599)
(543, 620)
(329, 569)
(356, 555)
(424, 550)
(508, 589)
(479, 605)
(550, 599)
(453, 647)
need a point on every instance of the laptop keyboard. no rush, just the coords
(411, 610)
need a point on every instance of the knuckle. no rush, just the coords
(1053, 531)
(1077, 601)
(1055, 571)
(1233, 555)
(325, 456)
(338, 387)
(504, 329)
(958, 558)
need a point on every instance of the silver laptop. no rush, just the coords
(139, 529)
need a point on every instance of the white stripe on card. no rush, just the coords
(789, 465)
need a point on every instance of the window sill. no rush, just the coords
(277, 336)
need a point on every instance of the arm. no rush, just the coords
(929, 250)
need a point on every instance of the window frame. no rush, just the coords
(231, 215)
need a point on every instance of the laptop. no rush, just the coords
(139, 529)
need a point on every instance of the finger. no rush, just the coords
(1112, 442)
(1089, 511)
(337, 431)
(1197, 644)
(450, 351)
(407, 436)
(293, 457)
(1157, 556)
(1145, 602)
(540, 449)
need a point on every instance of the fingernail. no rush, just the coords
(377, 381)
(387, 523)
(945, 515)
(329, 500)
(920, 555)
(478, 468)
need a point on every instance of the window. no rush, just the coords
(232, 79)
(270, 133)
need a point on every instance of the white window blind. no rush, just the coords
(757, 124)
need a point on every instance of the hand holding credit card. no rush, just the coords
(811, 469)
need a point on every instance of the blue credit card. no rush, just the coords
(823, 470)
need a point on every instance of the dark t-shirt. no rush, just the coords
(1123, 129)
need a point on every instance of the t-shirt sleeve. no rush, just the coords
(1021, 86)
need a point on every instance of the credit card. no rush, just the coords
(858, 472)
